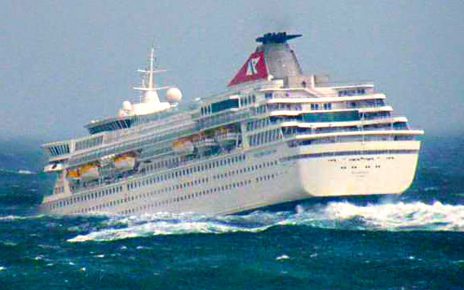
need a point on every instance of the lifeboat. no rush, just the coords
(183, 145)
(89, 172)
(226, 138)
(73, 174)
(125, 162)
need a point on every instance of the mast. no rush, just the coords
(151, 84)
(148, 82)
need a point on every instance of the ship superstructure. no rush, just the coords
(276, 135)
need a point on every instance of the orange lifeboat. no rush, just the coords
(73, 174)
(125, 162)
(89, 172)
(183, 145)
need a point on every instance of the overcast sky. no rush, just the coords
(64, 63)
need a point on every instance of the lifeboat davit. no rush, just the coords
(53, 167)
(204, 144)
(227, 138)
(125, 162)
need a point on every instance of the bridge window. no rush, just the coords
(224, 105)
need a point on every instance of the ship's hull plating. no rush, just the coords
(270, 176)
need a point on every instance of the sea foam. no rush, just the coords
(415, 216)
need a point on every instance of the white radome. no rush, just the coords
(126, 106)
(173, 95)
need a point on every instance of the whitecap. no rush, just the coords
(11, 218)
(16, 217)
(25, 172)
(282, 257)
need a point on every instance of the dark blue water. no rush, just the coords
(412, 242)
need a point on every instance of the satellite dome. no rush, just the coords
(173, 95)
(126, 106)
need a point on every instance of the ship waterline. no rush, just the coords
(275, 136)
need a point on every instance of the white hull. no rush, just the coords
(267, 176)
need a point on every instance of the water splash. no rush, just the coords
(400, 216)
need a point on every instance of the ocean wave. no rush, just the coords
(12, 218)
(8, 218)
(416, 216)
(165, 227)
(19, 171)
(402, 216)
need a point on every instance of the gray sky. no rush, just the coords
(64, 63)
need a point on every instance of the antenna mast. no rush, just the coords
(150, 75)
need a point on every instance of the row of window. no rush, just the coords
(110, 126)
(88, 143)
(324, 106)
(265, 137)
(344, 139)
(290, 131)
(85, 197)
(284, 106)
(270, 95)
(246, 169)
(366, 103)
(59, 189)
(188, 171)
(356, 167)
(352, 92)
(266, 177)
(166, 163)
(219, 106)
(349, 153)
(221, 119)
(164, 202)
(247, 100)
(57, 150)
(258, 124)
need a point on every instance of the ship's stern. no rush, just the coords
(356, 169)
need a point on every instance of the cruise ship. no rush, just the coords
(276, 135)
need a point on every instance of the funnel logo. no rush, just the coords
(251, 69)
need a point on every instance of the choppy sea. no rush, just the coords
(415, 241)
